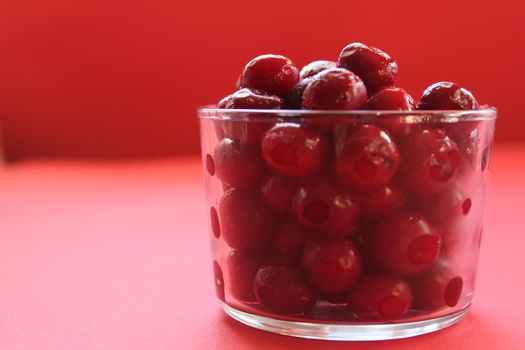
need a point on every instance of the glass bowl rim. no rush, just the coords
(449, 116)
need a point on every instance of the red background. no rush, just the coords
(123, 78)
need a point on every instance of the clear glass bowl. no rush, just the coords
(346, 225)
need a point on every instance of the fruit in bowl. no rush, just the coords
(336, 192)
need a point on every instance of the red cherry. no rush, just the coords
(447, 96)
(366, 159)
(334, 89)
(376, 68)
(437, 288)
(273, 74)
(291, 238)
(294, 150)
(277, 191)
(404, 244)
(246, 221)
(380, 297)
(332, 265)
(430, 161)
(391, 98)
(219, 281)
(394, 98)
(238, 165)
(242, 267)
(445, 207)
(322, 205)
(282, 289)
(315, 67)
(246, 132)
(253, 99)
(382, 201)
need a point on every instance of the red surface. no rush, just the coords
(116, 256)
(123, 78)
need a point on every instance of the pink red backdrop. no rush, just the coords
(114, 78)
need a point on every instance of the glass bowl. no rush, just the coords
(346, 225)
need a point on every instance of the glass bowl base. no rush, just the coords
(354, 332)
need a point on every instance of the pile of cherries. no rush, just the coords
(351, 214)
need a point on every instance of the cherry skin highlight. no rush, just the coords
(375, 67)
(334, 89)
(273, 74)
(447, 96)
(294, 150)
(332, 265)
(323, 206)
(366, 159)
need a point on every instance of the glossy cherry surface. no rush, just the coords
(294, 150)
(322, 205)
(394, 98)
(315, 67)
(447, 96)
(238, 165)
(391, 98)
(274, 74)
(332, 265)
(252, 99)
(239, 130)
(376, 68)
(380, 297)
(246, 221)
(277, 191)
(404, 243)
(437, 288)
(366, 159)
(282, 289)
(334, 89)
(430, 161)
